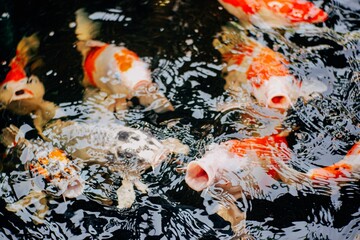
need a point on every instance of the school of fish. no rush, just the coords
(122, 75)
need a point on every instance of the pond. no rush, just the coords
(176, 39)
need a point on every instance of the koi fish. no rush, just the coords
(260, 71)
(346, 169)
(274, 13)
(232, 155)
(116, 70)
(255, 161)
(124, 150)
(23, 94)
(52, 170)
(258, 160)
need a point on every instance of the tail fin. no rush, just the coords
(86, 29)
(26, 50)
(347, 168)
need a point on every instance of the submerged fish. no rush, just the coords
(260, 70)
(345, 170)
(51, 169)
(124, 150)
(23, 94)
(274, 13)
(116, 70)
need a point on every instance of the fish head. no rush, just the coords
(277, 92)
(58, 171)
(211, 167)
(135, 150)
(21, 89)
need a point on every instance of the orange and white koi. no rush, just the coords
(233, 155)
(259, 70)
(53, 172)
(274, 13)
(256, 163)
(23, 94)
(116, 70)
(346, 169)
(59, 171)
(45, 162)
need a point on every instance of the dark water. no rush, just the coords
(175, 38)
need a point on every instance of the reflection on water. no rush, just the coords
(175, 38)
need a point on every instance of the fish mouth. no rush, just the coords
(199, 176)
(280, 101)
(22, 93)
(74, 189)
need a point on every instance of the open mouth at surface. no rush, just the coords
(74, 189)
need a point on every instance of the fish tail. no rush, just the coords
(26, 50)
(349, 167)
(86, 29)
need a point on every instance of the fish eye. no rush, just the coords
(5, 87)
(29, 80)
(128, 155)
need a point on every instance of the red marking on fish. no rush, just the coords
(271, 147)
(355, 150)
(248, 7)
(297, 11)
(89, 63)
(333, 171)
(264, 62)
(16, 73)
(275, 12)
(265, 65)
(28, 91)
(341, 169)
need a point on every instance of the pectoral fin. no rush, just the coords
(126, 194)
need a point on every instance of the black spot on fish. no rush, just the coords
(136, 138)
(123, 136)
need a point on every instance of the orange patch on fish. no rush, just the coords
(28, 91)
(265, 147)
(37, 168)
(237, 55)
(125, 59)
(297, 11)
(355, 150)
(248, 8)
(265, 65)
(58, 155)
(15, 74)
(89, 63)
(333, 171)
